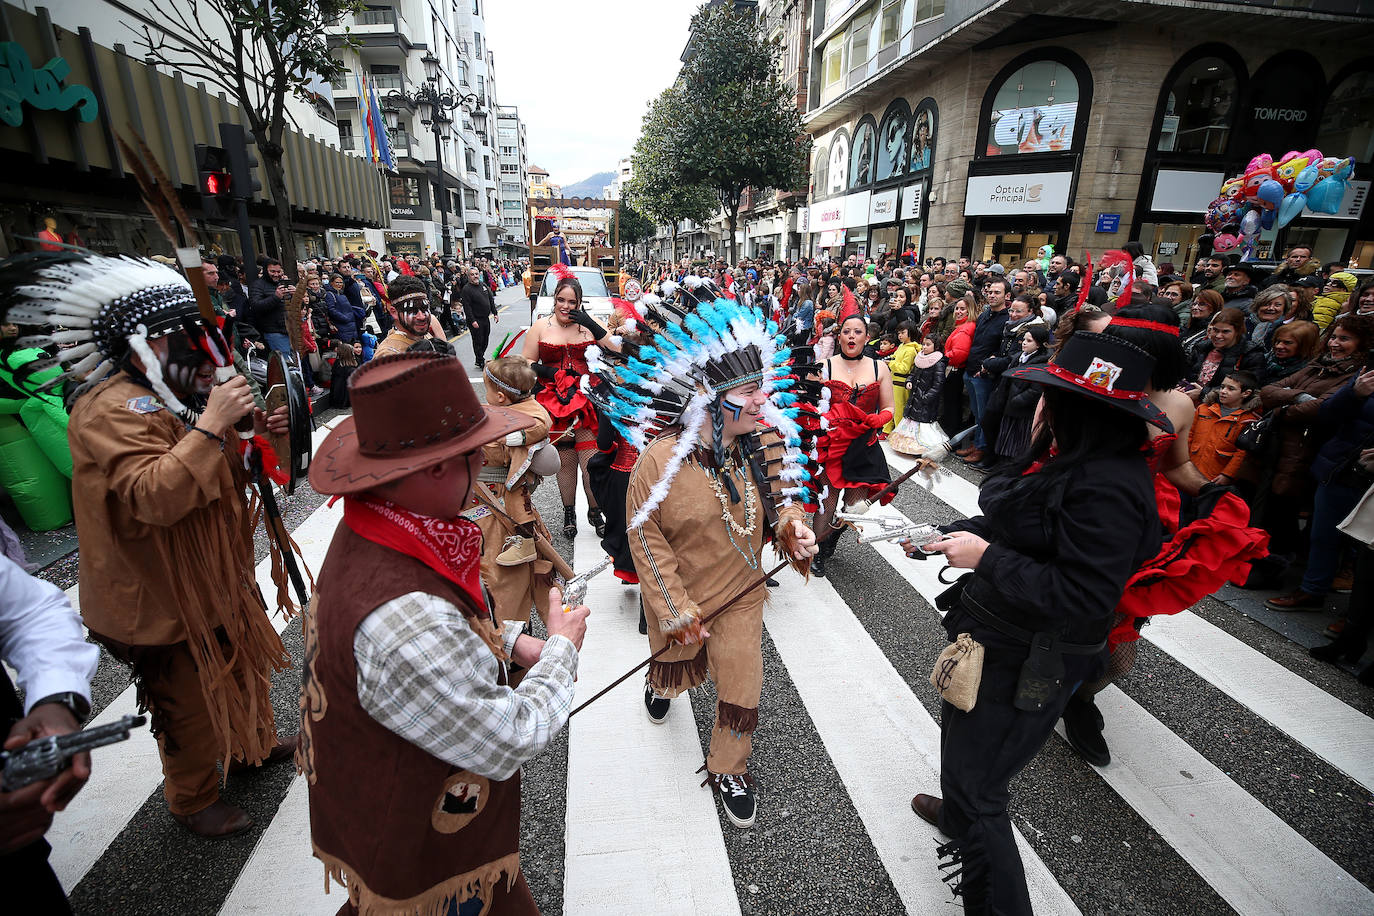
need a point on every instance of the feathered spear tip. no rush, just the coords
(668, 288)
(1086, 282)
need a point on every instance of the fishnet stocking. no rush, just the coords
(569, 460)
(1120, 661)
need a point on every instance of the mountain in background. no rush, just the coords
(589, 187)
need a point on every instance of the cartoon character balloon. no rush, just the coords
(1224, 242)
(1290, 209)
(1255, 179)
(1287, 171)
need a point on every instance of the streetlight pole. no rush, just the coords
(434, 106)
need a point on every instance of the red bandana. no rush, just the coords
(453, 549)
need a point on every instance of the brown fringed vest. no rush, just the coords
(405, 831)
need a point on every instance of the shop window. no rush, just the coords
(1347, 124)
(923, 136)
(861, 165)
(1034, 110)
(1199, 108)
(405, 192)
(839, 163)
(892, 141)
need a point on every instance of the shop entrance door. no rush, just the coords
(1012, 249)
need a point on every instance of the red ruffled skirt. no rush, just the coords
(1194, 562)
(850, 453)
(569, 408)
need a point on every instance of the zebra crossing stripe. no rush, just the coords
(859, 703)
(638, 820)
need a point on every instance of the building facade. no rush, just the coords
(62, 163)
(394, 39)
(514, 177)
(990, 128)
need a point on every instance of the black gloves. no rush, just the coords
(580, 316)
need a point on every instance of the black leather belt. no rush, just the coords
(1021, 634)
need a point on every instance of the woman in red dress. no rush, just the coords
(557, 347)
(861, 402)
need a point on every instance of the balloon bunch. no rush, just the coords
(1273, 194)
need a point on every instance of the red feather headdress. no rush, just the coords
(1086, 281)
(1117, 257)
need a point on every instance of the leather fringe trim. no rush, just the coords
(969, 875)
(480, 882)
(737, 719)
(678, 676)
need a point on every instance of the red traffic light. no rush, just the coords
(216, 184)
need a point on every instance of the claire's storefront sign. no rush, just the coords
(39, 87)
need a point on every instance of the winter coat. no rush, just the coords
(1352, 419)
(926, 382)
(1061, 547)
(1327, 306)
(345, 315)
(1016, 397)
(987, 337)
(1244, 354)
(1275, 368)
(1212, 438)
(1010, 351)
(1240, 297)
(1145, 270)
(957, 346)
(1320, 379)
(267, 312)
(1288, 275)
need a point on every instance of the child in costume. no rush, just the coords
(919, 433)
(900, 360)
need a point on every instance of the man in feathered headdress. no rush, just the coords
(711, 487)
(167, 580)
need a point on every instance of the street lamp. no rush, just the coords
(434, 106)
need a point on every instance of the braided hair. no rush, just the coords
(718, 434)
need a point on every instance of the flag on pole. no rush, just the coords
(366, 108)
(383, 154)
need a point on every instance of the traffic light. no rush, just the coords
(213, 181)
(242, 162)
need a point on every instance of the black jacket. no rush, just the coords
(1246, 354)
(1010, 349)
(1015, 397)
(1061, 548)
(987, 337)
(476, 301)
(923, 399)
(268, 313)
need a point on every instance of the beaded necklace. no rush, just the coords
(732, 527)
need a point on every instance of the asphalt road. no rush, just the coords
(1241, 779)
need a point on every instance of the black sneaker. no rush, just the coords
(656, 707)
(1083, 727)
(737, 797)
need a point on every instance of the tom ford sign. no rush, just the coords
(39, 87)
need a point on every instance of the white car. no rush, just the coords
(596, 299)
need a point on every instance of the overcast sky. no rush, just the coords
(582, 74)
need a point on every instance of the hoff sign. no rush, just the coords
(1012, 195)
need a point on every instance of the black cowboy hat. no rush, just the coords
(1106, 368)
(1251, 270)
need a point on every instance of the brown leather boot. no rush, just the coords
(975, 456)
(927, 808)
(283, 751)
(963, 452)
(219, 820)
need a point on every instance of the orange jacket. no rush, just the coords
(1212, 440)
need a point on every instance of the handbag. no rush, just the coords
(1260, 435)
(1359, 524)
(958, 672)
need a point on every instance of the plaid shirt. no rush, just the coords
(426, 676)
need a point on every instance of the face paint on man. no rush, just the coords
(188, 370)
(732, 408)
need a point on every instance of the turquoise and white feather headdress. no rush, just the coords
(675, 379)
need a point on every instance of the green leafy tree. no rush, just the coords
(634, 226)
(259, 53)
(658, 189)
(737, 124)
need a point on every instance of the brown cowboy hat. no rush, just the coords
(410, 411)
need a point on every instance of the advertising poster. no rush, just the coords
(1039, 129)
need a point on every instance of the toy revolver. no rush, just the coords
(893, 529)
(575, 589)
(44, 758)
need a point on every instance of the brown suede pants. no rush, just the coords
(733, 658)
